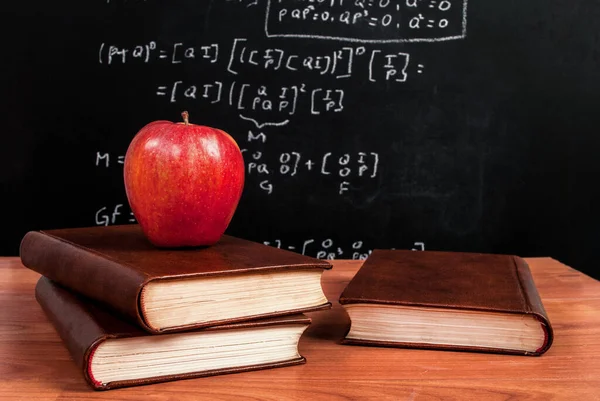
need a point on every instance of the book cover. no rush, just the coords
(113, 353)
(447, 300)
(164, 290)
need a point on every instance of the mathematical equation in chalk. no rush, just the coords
(291, 164)
(243, 58)
(262, 99)
(343, 62)
(328, 249)
(145, 53)
(376, 21)
(324, 249)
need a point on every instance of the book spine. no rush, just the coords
(78, 331)
(534, 301)
(86, 272)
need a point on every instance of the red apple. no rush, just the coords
(183, 182)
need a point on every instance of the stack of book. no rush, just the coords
(130, 313)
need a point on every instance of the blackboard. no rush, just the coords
(409, 124)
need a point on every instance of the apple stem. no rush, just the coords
(186, 117)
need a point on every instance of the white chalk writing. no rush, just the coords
(114, 214)
(148, 52)
(330, 249)
(393, 21)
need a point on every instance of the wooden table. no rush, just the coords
(35, 365)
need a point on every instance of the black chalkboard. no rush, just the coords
(413, 124)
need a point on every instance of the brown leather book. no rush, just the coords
(164, 290)
(446, 300)
(113, 353)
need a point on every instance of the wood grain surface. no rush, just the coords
(35, 365)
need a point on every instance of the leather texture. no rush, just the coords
(112, 264)
(451, 280)
(83, 324)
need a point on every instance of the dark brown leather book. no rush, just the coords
(113, 353)
(446, 300)
(165, 290)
